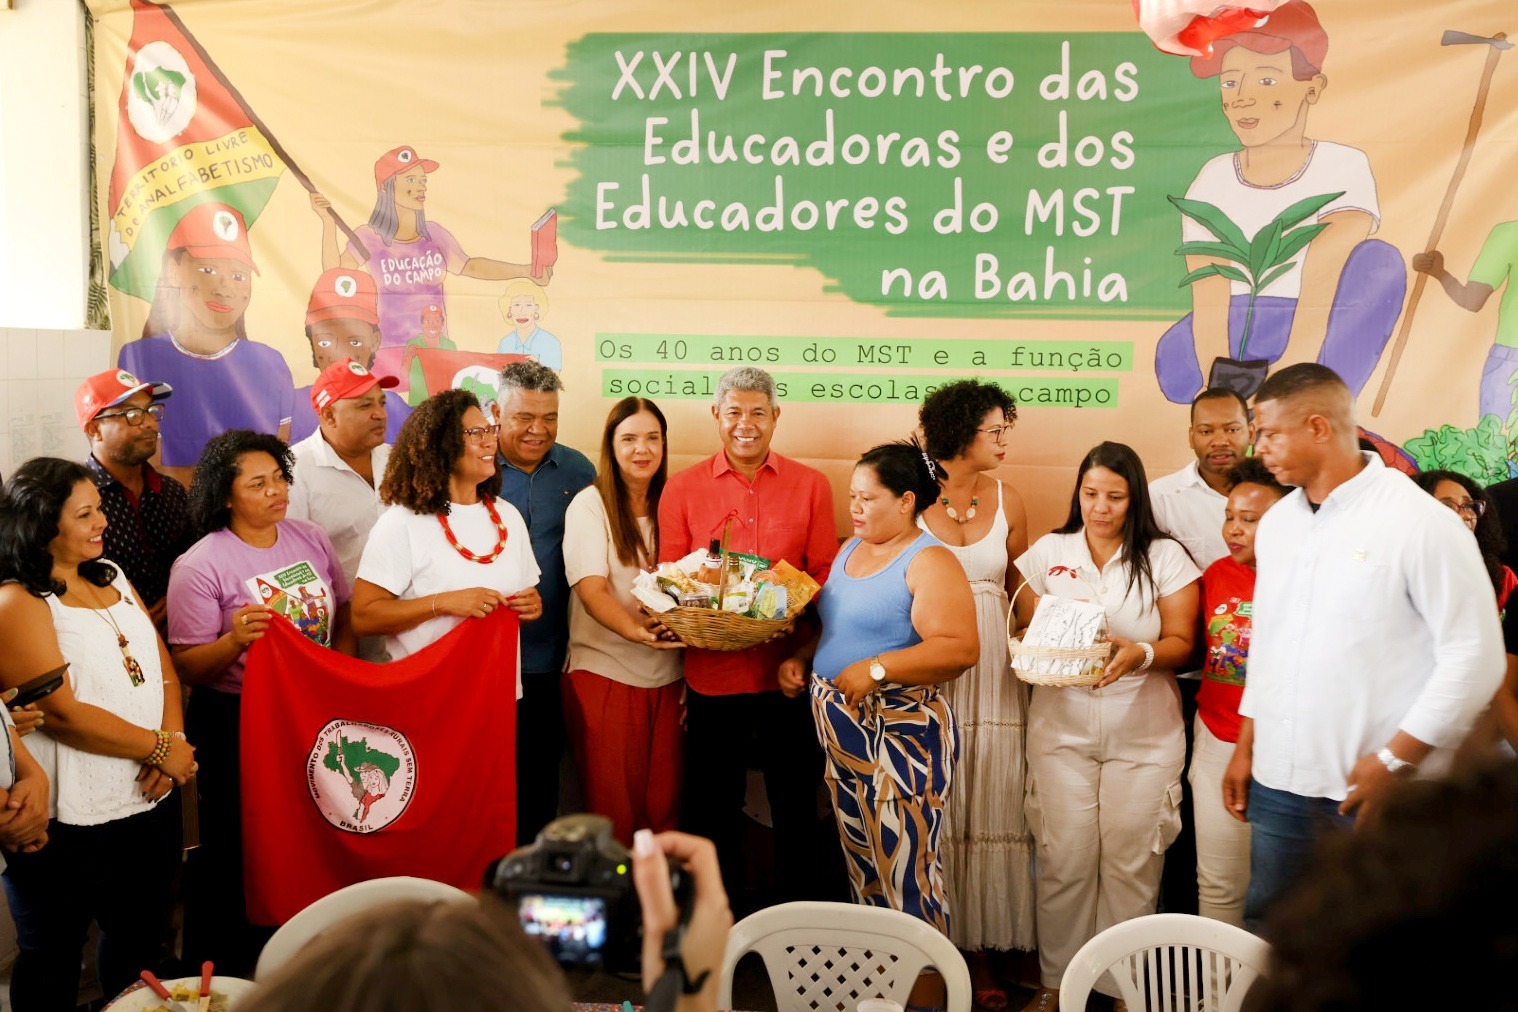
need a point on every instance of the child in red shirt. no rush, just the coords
(1222, 837)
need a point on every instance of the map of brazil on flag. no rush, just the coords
(354, 771)
(184, 137)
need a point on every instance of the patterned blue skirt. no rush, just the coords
(890, 761)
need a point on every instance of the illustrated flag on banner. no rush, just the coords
(353, 771)
(476, 371)
(1190, 27)
(184, 137)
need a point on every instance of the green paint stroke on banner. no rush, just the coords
(857, 388)
(905, 353)
(964, 175)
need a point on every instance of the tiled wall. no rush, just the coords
(42, 369)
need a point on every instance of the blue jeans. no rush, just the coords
(1284, 829)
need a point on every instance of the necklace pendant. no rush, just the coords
(133, 669)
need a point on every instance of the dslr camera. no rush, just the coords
(573, 891)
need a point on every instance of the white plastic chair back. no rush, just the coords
(827, 957)
(298, 932)
(1168, 963)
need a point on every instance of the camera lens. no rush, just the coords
(563, 863)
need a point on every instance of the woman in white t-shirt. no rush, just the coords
(449, 547)
(622, 692)
(1104, 763)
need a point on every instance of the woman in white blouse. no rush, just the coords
(622, 692)
(1104, 763)
(111, 743)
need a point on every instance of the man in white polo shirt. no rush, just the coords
(1375, 642)
(338, 468)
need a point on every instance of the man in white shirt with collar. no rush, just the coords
(1188, 505)
(1376, 640)
(338, 468)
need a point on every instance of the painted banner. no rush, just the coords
(354, 771)
(867, 201)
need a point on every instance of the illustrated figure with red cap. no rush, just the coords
(434, 320)
(196, 341)
(409, 257)
(1337, 298)
(342, 323)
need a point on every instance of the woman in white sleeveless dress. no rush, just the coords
(987, 851)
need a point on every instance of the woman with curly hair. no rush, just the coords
(987, 851)
(102, 845)
(250, 565)
(449, 547)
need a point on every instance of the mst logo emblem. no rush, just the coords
(361, 776)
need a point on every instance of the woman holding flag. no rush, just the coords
(251, 565)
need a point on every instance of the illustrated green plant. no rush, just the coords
(1480, 454)
(1253, 262)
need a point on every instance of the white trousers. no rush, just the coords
(1104, 795)
(1222, 842)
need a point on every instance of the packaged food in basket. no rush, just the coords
(1062, 623)
(770, 601)
(799, 587)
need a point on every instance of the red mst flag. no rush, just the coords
(353, 771)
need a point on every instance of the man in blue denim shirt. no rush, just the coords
(539, 477)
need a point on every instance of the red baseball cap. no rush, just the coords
(110, 388)
(344, 379)
(1293, 25)
(344, 292)
(213, 232)
(397, 160)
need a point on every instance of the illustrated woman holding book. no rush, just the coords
(408, 256)
(1104, 762)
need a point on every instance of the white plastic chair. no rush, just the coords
(298, 932)
(1168, 963)
(827, 957)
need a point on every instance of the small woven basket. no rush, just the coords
(710, 629)
(1090, 674)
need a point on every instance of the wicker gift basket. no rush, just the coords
(1090, 673)
(714, 629)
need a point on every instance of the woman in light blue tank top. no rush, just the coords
(898, 618)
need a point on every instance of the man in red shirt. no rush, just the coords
(736, 715)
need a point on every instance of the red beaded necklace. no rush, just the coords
(500, 545)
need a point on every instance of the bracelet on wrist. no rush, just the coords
(1148, 649)
(163, 742)
(180, 735)
(1393, 764)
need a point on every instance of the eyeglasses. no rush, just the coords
(135, 416)
(482, 433)
(998, 433)
(1472, 508)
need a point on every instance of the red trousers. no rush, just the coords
(627, 744)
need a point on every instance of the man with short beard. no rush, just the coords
(148, 512)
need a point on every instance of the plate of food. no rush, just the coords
(225, 992)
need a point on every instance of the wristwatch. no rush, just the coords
(1392, 763)
(877, 670)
